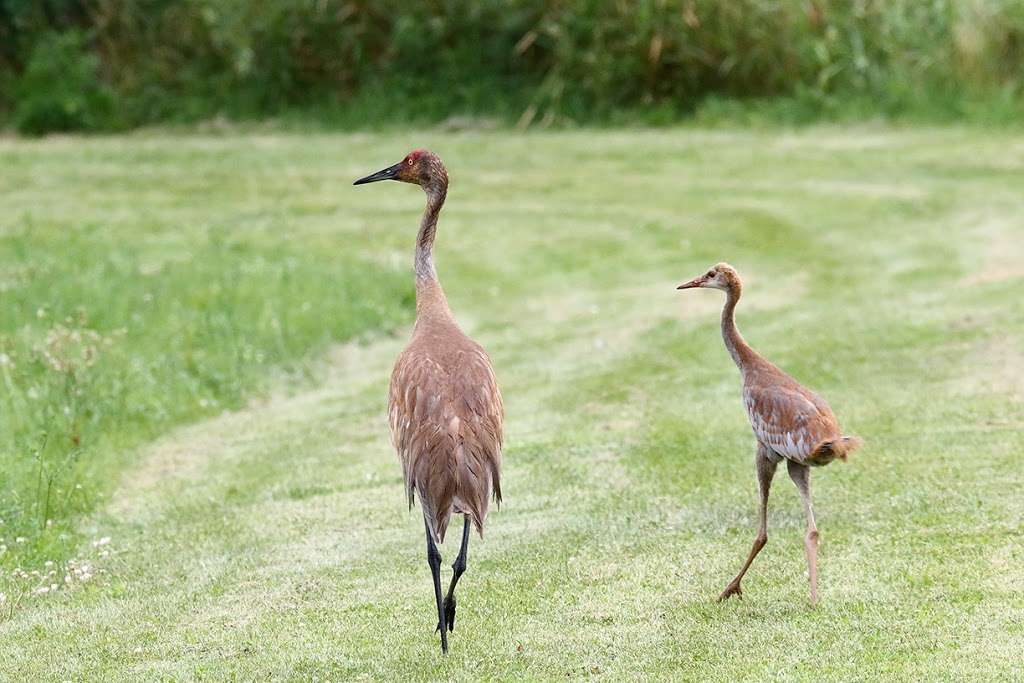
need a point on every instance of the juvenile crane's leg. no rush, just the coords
(434, 560)
(801, 476)
(765, 472)
(459, 567)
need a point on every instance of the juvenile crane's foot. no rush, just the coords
(449, 614)
(732, 589)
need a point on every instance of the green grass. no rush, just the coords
(143, 288)
(272, 542)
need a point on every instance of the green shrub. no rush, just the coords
(60, 88)
(528, 60)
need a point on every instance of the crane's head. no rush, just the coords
(419, 167)
(720, 276)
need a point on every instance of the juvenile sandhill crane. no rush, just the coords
(443, 405)
(789, 421)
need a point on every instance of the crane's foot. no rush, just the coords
(449, 614)
(732, 589)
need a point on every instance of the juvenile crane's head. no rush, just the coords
(419, 167)
(720, 276)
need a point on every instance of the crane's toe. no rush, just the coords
(449, 614)
(730, 590)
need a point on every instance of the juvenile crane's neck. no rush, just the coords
(737, 346)
(429, 294)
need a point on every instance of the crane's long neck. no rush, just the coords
(738, 348)
(428, 288)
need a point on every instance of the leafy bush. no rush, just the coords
(531, 60)
(60, 88)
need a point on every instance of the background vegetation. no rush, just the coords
(107, 64)
(119, 321)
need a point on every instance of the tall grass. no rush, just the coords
(532, 61)
(104, 344)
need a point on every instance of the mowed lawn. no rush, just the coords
(884, 268)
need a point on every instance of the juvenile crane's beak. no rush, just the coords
(389, 173)
(695, 282)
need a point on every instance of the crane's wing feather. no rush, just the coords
(413, 402)
(445, 413)
(790, 420)
(478, 405)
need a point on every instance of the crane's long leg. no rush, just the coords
(801, 476)
(459, 567)
(434, 560)
(765, 471)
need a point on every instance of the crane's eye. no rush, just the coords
(409, 161)
(711, 273)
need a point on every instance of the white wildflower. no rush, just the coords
(103, 541)
(79, 572)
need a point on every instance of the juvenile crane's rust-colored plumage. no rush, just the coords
(444, 406)
(790, 422)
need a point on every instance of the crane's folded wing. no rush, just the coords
(448, 409)
(789, 421)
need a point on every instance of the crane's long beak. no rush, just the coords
(389, 173)
(695, 282)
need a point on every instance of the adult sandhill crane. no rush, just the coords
(444, 405)
(791, 422)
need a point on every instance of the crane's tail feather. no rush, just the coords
(829, 450)
(474, 485)
(496, 481)
(474, 504)
(437, 519)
